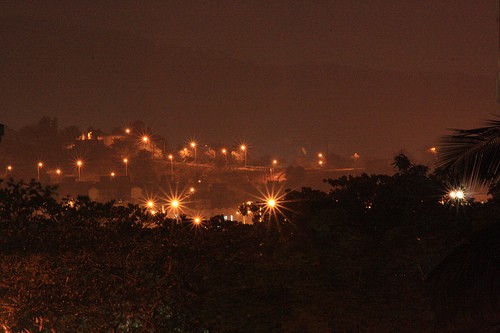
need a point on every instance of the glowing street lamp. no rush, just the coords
(273, 165)
(39, 166)
(271, 203)
(125, 160)
(127, 130)
(150, 204)
(112, 174)
(224, 152)
(174, 205)
(79, 164)
(243, 148)
(8, 169)
(171, 158)
(193, 145)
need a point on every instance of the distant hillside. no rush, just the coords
(107, 78)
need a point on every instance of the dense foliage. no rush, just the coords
(356, 259)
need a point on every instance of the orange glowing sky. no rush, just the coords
(371, 77)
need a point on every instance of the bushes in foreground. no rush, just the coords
(82, 266)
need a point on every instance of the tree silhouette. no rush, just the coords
(473, 154)
(464, 286)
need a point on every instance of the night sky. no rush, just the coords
(371, 77)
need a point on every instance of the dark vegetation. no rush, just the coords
(372, 255)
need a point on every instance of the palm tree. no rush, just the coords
(473, 154)
(464, 286)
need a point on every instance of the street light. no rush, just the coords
(274, 164)
(193, 145)
(40, 164)
(8, 169)
(174, 204)
(244, 150)
(171, 158)
(151, 205)
(79, 164)
(271, 203)
(125, 160)
(224, 152)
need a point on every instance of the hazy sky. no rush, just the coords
(428, 36)
(423, 35)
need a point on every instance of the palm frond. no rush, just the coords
(473, 154)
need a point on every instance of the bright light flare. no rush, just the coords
(197, 221)
(150, 202)
(272, 203)
(456, 194)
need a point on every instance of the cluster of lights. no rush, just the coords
(173, 204)
(321, 159)
(456, 194)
